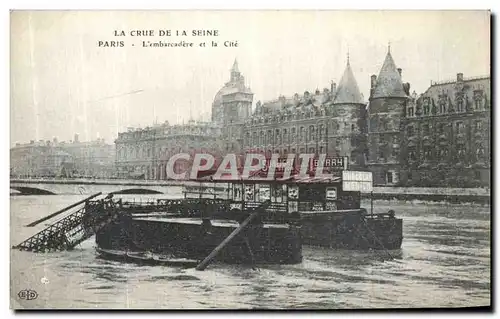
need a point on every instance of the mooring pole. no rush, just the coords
(36, 222)
(243, 225)
(371, 203)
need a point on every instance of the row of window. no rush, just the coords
(461, 107)
(139, 153)
(460, 152)
(289, 116)
(292, 150)
(459, 127)
(278, 136)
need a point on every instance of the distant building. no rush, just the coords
(93, 159)
(38, 159)
(143, 153)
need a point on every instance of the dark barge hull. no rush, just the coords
(351, 230)
(192, 239)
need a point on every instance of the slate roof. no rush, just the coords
(389, 83)
(348, 90)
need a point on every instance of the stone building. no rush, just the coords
(389, 97)
(38, 159)
(440, 138)
(236, 93)
(143, 153)
(236, 104)
(94, 159)
(329, 122)
(447, 135)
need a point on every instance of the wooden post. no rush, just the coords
(371, 203)
(243, 225)
(36, 222)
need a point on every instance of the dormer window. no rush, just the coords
(442, 106)
(460, 105)
(477, 104)
(478, 99)
(426, 106)
(410, 112)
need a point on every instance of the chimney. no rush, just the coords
(333, 86)
(460, 77)
(373, 81)
(400, 71)
(76, 138)
(32, 142)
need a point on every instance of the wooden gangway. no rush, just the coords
(74, 228)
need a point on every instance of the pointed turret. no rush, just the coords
(235, 67)
(389, 83)
(235, 72)
(348, 90)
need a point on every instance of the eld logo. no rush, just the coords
(28, 294)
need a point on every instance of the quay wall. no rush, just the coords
(85, 186)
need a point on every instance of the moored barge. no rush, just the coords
(190, 229)
(278, 216)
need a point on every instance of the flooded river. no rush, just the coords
(444, 262)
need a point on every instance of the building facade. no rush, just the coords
(143, 153)
(94, 159)
(389, 97)
(329, 122)
(440, 138)
(447, 135)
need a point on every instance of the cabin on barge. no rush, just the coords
(323, 210)
(329, 208)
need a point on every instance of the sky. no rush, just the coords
(62, 83)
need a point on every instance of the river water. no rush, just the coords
(444, 262)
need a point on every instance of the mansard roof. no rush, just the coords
(389, 83)
(348, 90)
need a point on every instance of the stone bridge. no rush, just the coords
(89, 187)
(121, 186)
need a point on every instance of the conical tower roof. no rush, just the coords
(348, 90)
(235, 67)
(389, 83)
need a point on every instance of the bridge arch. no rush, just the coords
(24, 190)
(136, 191)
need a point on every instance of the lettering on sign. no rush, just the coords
(331, 193)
